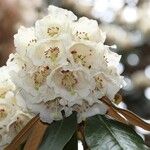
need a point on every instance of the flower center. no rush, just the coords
(82, 35)
(52, 53)
(40, 76)
(79, 58)
(99, 83)
(2, 92)
(52, 31)
(69, 81)
(3, 113)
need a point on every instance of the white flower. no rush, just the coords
(61, 13)
(70, 83)
(24, 39)
(87, 29)
(34, 83)
(50, 52)
(86, 55)
(7, 111)
(62, 65)
(20, 119)
(3, 138)
(51, 110)
(17, 62)
(85, 110)
(6, 84)
(9, 102)
(111, 58)
(12, 128)
(55, 24)
(107, 85)
(13, 112)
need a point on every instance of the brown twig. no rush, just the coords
(81, 135)
(134, 119)
(130, 117)
(113, 113)
(23, 134)
(36, 137)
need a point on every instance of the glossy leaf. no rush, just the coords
(106, 134)
(59, 133)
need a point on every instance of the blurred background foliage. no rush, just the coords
(127, 24)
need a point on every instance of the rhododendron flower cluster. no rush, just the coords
(13, 112)
(62, 65)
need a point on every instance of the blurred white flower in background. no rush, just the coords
(125, 21)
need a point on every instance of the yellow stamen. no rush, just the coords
(69, 81)
(82, 35)
(3, 113)
(52, 31)
(52, 53)
(40, 76)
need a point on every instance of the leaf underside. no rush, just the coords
(106, 134)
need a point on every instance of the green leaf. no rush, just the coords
(106, 134)
(59, 133)
(72, 144)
